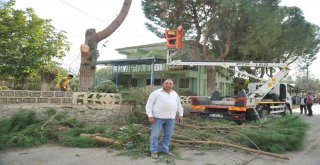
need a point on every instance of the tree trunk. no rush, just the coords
(211, 80)
(46, 79)
(87, 76)
(45, 86)
(89, 56)
(211, 71)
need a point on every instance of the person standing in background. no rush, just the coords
(309, 102)
(303, 105)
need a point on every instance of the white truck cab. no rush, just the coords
(283, 91)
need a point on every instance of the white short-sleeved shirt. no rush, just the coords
(164, 105)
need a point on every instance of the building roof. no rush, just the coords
(148, 47)
(149, 60)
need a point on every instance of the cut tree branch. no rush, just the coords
(259, 152)
(217, 127)
(98, 138)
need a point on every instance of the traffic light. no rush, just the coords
(174, 38)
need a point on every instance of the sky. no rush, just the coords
(76, 16)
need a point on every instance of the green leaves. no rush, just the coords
(27, 42)
(106, 87)
(280, 134)
(261, 30)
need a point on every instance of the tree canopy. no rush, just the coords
(260, 29)
(27, 42)
(251, 30)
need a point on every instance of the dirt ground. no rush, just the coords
(60, 155)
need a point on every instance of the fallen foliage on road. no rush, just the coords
(275, 135)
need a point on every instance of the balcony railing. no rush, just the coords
(147, 68)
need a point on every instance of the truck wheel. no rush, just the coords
(286, 111)
(263, 114)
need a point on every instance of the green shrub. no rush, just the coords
(106, 87)
(34, 85)
(135, 96)
(4, 87)
(74, 84)
(186, 93)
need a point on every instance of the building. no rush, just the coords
(146, 65)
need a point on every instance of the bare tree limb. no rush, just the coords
(259, 152)
(115, 23)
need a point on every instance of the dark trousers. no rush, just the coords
(303, 107)
(309, 107)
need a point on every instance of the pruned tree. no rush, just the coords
(281, 34)
(209, 24)
(257, 30)
(89, 52)
(196, 17)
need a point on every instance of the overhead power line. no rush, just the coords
(83, 12)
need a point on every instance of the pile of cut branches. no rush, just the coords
(275, 135)
(21, 130)
(25, 129)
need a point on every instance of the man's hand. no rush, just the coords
(151, 120)
(179, 119)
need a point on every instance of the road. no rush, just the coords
(60, 155)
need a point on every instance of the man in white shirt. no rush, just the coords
(161, 108)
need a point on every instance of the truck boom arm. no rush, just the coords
(227, 64)
(260, 92)
(267, 86)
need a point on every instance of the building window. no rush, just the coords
(184, 83)
(134, 83)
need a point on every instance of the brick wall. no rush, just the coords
(22, 96)
(57, 97)
(90, 107)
